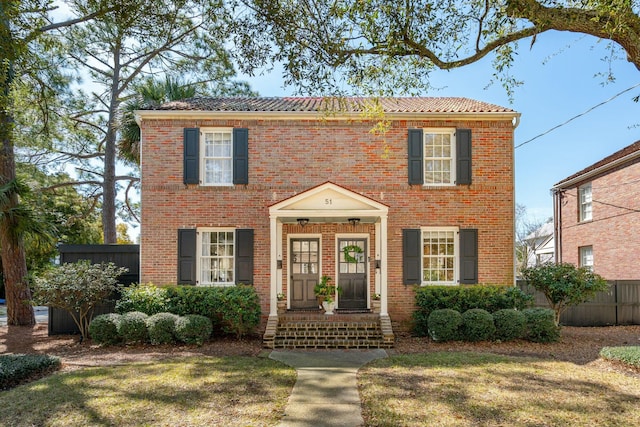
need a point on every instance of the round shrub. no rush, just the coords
(133, 327)
(145, 297)
(162, 328)
(444, 325)
(477, 325)
(193, 329)
(541, 326)
(510, 324)
(103, 329)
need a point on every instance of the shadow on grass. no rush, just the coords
(191, 391)
(485, 389)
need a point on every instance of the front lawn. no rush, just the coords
(195, 391)
(479, 389)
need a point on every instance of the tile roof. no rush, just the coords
(630, 149)
(318, 104)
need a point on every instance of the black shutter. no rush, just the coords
(244, 256)
(469, 256)
(191, 157)
(416, 157)
(463, 156)
(241, 156)
(187, 256)
(411, 257)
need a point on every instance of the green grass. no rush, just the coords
(628, 355)
(473, 389)
(196, 391)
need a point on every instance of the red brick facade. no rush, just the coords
(614, 230)
(289, 156)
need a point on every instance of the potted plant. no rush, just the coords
(325, 292)
(375, 303)
(282, 303)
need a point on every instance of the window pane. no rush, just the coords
(439, 256)
(216, 257)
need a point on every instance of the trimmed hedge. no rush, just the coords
(162, 328)
(232, 310)
(629, 355)
(133, 327)
(16, 368)
(541, 326)
(193, 329)
(444, 325)
(477, 325)
(103, 329)
(462, 298)
(510, 324)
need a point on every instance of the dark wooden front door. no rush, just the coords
(352, 273)
(305, 270)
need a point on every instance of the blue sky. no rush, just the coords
(560, 82)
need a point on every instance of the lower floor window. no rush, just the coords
(586, 257)
(439, 254)
(216, 257)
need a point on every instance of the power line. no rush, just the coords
(578, 115)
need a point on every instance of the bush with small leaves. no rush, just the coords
(144, 297)
(103, 329)
(16, 368)
(444, 325)
(193, 329)
(541, 326)
(133, 327)
(162, 328)
(477, 325)
(510, 324)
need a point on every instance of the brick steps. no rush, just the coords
(318, 331)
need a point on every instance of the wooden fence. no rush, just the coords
(60, 321)
(620, 305)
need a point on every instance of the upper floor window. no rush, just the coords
(439, 255)
(586, 257)
(217, 157)
(216, 261)
(439, 157)
(584, 194)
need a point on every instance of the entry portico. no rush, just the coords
(350, 217)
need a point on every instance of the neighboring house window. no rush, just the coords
(439, 255)
(439, 157)
(586, 257)
(585, 202)
(217, 157)
(216, 257)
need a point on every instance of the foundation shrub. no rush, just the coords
(477, 325)
(510, 324)
(103, 329)
(133, 327)
(462, 298)
(444, 325)
(162, 328)
(145, 297)
(541, 326)
(193, 329)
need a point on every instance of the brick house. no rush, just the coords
(596, 216)
(270, 191)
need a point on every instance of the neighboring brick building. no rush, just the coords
(597, 216)
(269, 191)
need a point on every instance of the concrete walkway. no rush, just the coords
(326, 392)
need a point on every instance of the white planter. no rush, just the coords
(328, 307)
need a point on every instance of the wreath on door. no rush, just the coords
(348, 250)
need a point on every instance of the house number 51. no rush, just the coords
(328, 201)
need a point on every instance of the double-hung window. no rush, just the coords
(586, 257)
(217, 156)
(585, 200)
(216, 261)
(439, 255)
(439, 156)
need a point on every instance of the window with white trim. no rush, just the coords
(216, 156)
(586, 257)
(440, 255)
(216, 261)
(585, 199)
(439, 156)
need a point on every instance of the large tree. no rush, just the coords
(389, 46)
(27, 54)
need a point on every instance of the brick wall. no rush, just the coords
(289, 157)
(614, 231)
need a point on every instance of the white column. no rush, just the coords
(378, 256)
(383, 267)
(273, 237)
